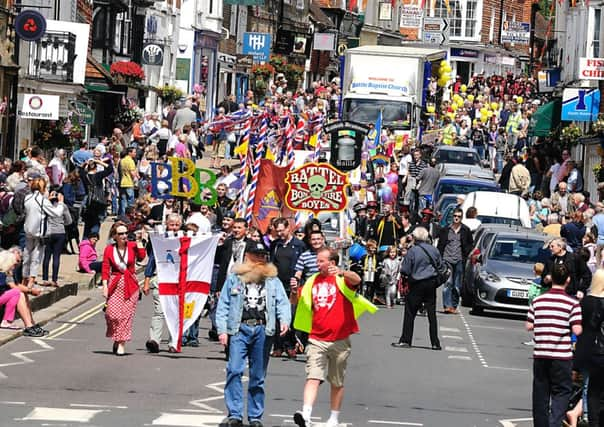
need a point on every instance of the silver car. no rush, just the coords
(499, 278)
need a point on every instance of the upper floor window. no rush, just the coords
(462, 15)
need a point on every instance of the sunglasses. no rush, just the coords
(456, 216)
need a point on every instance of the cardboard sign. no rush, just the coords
(316, 187)
(180, 178)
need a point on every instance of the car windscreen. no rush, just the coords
(498, 220)
(457, 156)
(527, 251)
(463, 188)
(394, 113)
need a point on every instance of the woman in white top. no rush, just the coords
(58, 171)
(37, 208)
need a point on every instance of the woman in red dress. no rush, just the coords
(120, 285)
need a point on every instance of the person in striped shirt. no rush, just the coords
(552, 317)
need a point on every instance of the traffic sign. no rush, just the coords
(436, 30)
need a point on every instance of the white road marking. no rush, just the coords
(394, 423)
(460, 357)
(442, 328)
(61, 414)
(22, 355)
(290, 416)
(76, 321)
(453, 337)
(509, 369)
(94, 405)
(8, 402)
(456, 349)
(483, 362)
(499, 328)
(512, 422)
(188, 420)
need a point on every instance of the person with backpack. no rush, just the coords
(37, 209)
(96, 202)
(589, 353)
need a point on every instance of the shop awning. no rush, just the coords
(546, 118)
(103, 89)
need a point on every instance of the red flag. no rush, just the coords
(270, 194)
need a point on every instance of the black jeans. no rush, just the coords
(595, 395)
(420, 292)
(53, 246)
(552, 388)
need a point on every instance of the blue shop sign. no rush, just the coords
(464, 53)
(580, 105)
(258, 45)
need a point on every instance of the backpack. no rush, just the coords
(18, 204)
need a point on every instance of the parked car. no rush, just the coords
(449, 154)
(466, 171)
(500, 268)
(498, 208)
(458, 185)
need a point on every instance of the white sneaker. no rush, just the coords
(331, 423)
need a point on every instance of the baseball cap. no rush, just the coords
(255, 248)
(230, 214)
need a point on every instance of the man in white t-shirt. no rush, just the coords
(200, 220)
(403, 165)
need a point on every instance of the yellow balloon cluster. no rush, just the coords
(444, 73)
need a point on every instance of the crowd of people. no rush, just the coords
(394, 258)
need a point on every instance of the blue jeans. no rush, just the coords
(480, 150)
(126, 199)
(452, 289)
(247, 344)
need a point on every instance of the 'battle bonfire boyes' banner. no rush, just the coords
(180, 178)
(316, 187)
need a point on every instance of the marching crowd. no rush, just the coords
(311, 303)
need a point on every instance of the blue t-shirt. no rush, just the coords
(80, 157)
(3, 283)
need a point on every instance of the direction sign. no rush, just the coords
(436, 30)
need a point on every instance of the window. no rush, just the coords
(121, 41)
(597, 32)
(463, 17)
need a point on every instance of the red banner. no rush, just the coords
(270, 194)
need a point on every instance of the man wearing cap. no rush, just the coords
(360, 221)
(373, 218)
(252, 301)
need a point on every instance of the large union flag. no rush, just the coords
(184, 273)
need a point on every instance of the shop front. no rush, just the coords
(205, 67)
(465, 62)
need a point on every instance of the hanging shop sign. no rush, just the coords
(30, 25)
(40, 107)
(153, 54)
(290, 42)
(316, 187)
(580, 105)
(324, 41)
(591, 68)
(258, 45)
(346, 144)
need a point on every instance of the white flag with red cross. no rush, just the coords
(184, 273)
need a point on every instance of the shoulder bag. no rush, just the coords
(441, 275)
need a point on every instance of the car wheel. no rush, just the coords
(477, 310)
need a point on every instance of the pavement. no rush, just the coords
(481, 378)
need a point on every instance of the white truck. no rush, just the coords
(393, 79)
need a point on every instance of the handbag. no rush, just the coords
(441, 275)
(96, 195)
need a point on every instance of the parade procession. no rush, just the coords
(322, 213)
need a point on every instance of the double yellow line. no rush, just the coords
(76, 321)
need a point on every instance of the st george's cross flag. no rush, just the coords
(184, 273)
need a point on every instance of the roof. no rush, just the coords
(320, 17)
(463, 180)
(405, 51)
(455, 148)
(95, 70)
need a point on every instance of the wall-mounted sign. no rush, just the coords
(515, 32)
(289, 42)
(436, 30)
(316, 187)
(580, 105)
(41, 107)
(591, 68)
(411, 16)
(86, 113)
(258, 45)
(153, 54)
(324, 41)
(464, 53)
(30, 25)
(385, 11)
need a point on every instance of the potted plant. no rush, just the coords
(169, 94)
(570, 134)
(126, 72)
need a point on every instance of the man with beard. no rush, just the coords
(252, 302)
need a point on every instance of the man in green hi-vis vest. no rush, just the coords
(327, 309)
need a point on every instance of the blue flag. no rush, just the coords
(378, 130)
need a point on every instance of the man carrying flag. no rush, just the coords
(251, 302)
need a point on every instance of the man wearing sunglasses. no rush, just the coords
(454, 244)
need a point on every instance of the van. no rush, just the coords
(498, 208)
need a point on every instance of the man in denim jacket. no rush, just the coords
(251, 301)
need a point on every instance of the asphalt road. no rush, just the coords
(481, 378)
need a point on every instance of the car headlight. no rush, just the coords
(488, 276)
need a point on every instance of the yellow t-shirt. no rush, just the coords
(128, 168)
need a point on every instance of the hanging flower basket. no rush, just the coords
(126, 72)
(570, 135)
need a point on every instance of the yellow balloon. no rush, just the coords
(490, 114)
(431, 108)
(442, 82)
(519, 100)
(483, 119)
(464, 88)
(479, 97)
(460, 102)
(451, 116)
(447, 69)
(483, 111)
(443, 63)
(494, 106)
(454, 107)
(470, 97)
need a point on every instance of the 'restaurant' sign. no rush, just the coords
(41, 107)
(316, 187)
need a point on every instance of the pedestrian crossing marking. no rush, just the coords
(188, 420)
(61, 414)
(460, 357)
(457, 349)
(453, 337)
